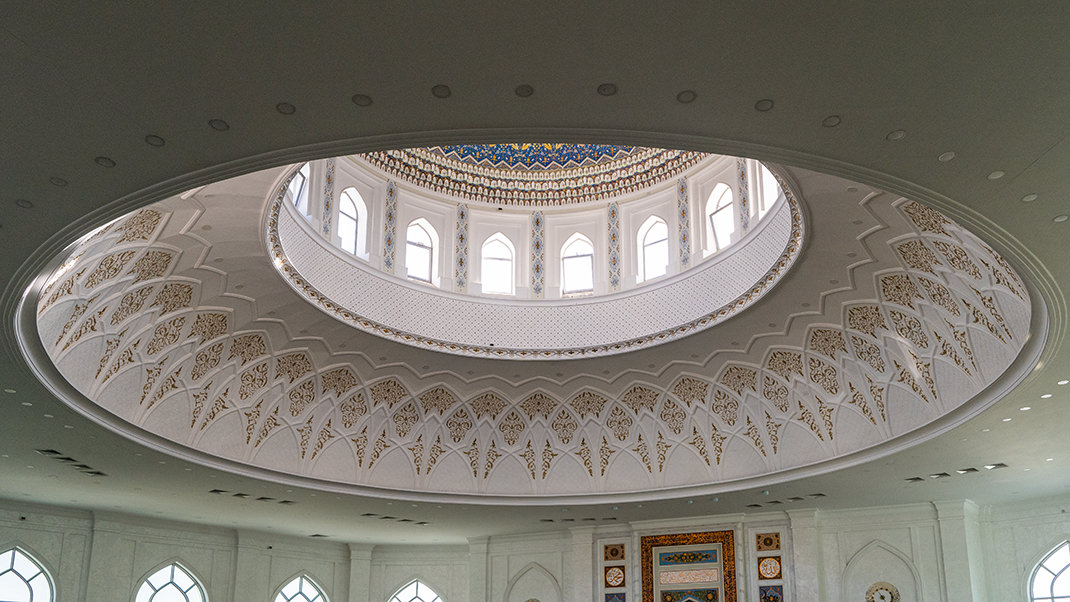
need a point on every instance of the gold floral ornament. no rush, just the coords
(827, 341)
(153, 264)
(538, 404)
(690, 390)
(487, 404)
(588, 403)
(867, 319)
(640, 397)
(387, 392)
(511, 427)
(438, 399)
(564, 425)
(740, 378)
(672, 415)
(619, 423)
(785, 363)
(459, 424)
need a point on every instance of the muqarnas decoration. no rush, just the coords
(767, 542)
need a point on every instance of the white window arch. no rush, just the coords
(720, 218)
(496, 265)
(352, 222)
(1050, 581)
(577, 265)
(23, 579)
(301, 589)
(652, 248)
(298, 189)
(770, 191)
(415, 591)
(171, 583)
(421, 250)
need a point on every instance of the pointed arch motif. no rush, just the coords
(170, 582)
(23, 578)
(577, 265)
(497, 265)
(528, 568)
(301, 588)
(1050, 579)
(877, 546)
(652, 249)
(415, 591)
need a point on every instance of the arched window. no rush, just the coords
(770, 191)
(497, 265)
(577, 265)
(420, 250)
(300, 589)
(23, 579)
(352, 222)
(172, 583)
(653, 248)
(720, 218)
(416, 591)
(1051, 579)
(299, 189)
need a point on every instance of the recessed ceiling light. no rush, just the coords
(996, 175)
(1046, 396)
(48, 416)
(1063, 382)
(945, 157)
(441, 91)
(763, 105)
(1049, 459)
(24, 203)
(524, 91)
(68, 426)
(985, 430)
(27, 403)
(10, 391)
(607, 89)
(1029, 198)
(285, 108)
(1060, 218)
(1024, 409)
(104, 161)
(56, 181)
(831, 121)
(686, 96)
(1007, 419)
(896, 135)
(218, 125)
(153, 140)
(362, 100)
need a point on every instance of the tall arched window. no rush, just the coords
(23, 579)
(720, 218)
(653, 248)
(172, 583)
(416, 591)
(352, 222)
(420, 250)
(1051, 579)
(299, 189)
(577, 265)
(770, 191)
(497, 265)
(300, 589)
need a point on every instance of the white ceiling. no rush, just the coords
(86, 81)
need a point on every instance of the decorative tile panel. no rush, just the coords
(460, 250)
(328, 198)
(683, 216)
(744, 194)
(537, 235)
(390, 214)
(613, 225)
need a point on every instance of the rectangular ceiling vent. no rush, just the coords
(58, 456)
(245, 496)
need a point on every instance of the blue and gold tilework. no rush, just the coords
(690, 557)
(534, 156)
(689, 595)
(771, 593)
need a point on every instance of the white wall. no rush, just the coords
(935, 552)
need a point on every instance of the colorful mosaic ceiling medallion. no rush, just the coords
(533, 156)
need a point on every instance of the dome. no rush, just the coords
(182, 321)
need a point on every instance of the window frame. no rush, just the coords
(1062, 572)
(498, 238)
(432, 249)
(351, 195)
(573, 240)
(300, 199)
(714, 206)
(301, 577)
(42, 570)
(642, 246)
(419, 582)
(172, 565)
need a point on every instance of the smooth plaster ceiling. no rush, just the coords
(84, 81)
